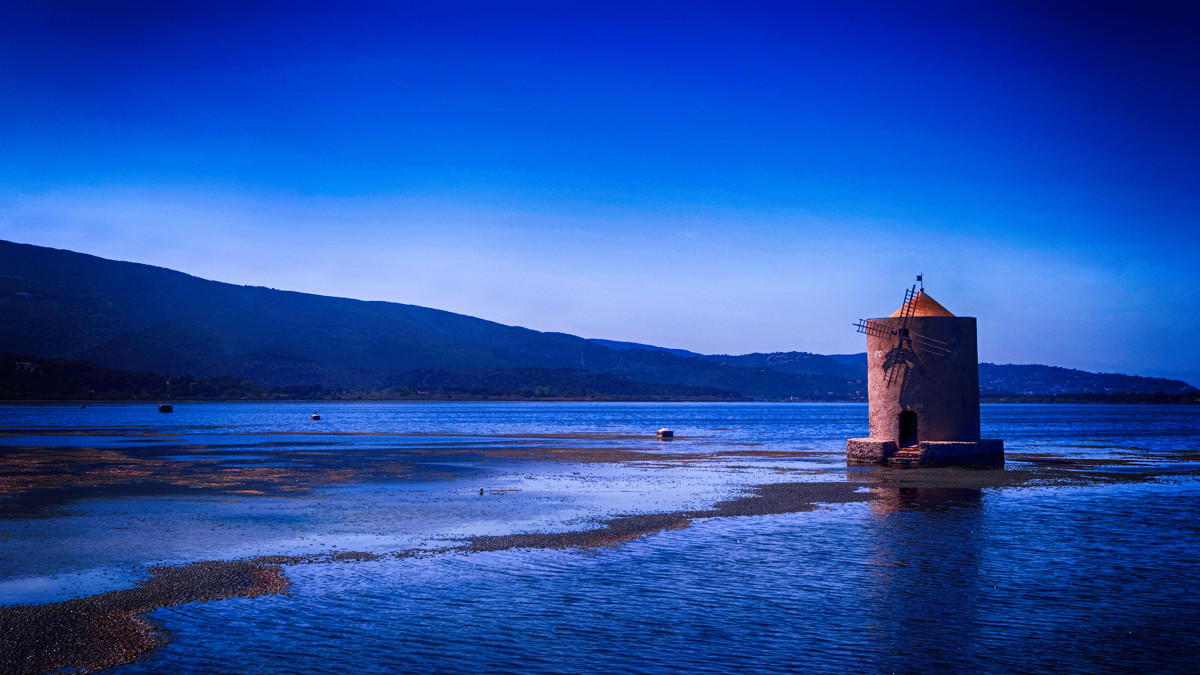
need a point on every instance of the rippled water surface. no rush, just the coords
(1084, 565)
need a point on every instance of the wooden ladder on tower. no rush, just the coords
(904, 342)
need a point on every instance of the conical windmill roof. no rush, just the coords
(923, 305)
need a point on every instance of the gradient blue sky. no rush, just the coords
(725, 177)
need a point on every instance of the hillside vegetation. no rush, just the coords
(133, 317)
(159, 323)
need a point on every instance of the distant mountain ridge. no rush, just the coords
(627, 346)
(800, 363)
(1041, 380)
(994, 379)
(134, 317)
(139, 318)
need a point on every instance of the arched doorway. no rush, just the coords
(908, 429)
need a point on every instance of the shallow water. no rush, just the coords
(1086, 574)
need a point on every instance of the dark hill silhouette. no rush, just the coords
(1037, 380)
(625, 346)
(797, 363)
(1007, 380)
(134, 317)
(32, 378)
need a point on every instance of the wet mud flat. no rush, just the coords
(36, 478)
(776, 498)
(110, 628)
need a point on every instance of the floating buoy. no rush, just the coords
(314, 416)
(666, 433)
(165, 408)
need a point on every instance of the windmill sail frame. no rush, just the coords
(905, 352)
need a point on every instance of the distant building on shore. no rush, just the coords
(923, 388)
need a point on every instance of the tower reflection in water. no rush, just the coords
(925, 592)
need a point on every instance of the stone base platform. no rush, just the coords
(926, 453)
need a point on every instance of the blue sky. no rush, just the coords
(727, 177)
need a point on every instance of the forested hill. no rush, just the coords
(994, 379)
(134, 317)
(131, 317)
(1040, 380)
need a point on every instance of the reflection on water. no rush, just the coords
(1035, 568)
(896, 501)
(839, 590)
(924, 586)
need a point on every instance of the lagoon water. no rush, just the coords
(1086, 565)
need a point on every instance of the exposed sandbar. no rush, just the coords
(108, 629)
(615, 531)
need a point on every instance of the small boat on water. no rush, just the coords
(165, 408)
(314, 416)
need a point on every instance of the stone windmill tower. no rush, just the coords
(923, 388)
